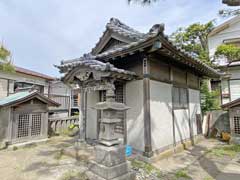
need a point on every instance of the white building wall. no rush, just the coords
(194, 108)
(135, 121)
(181, 123)
(91, 124)
(234, 89)
(161, 114)
(3, 88)
(230, 33)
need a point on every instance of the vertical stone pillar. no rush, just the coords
(81, 116)
(110, 161)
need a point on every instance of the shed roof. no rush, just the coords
(231, 104)
(24, 96)
(224, 25)
(32, 73)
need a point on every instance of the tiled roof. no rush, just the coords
(117, 26)
(89, 61)
(32, 73)
(154, 34)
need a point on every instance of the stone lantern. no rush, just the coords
(110, 161)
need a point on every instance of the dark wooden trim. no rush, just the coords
(125, 114)
(189, 119)
(229, 91)
(8, 87)
(173, 115)
(147, 114)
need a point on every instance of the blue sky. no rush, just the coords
(42, 33)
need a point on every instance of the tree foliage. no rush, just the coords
(209, 99)
(194, 39)
(5, 62)
(229, 51)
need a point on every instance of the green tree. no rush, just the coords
(229, 51)
(209, 99)
(194, 39)
(5, 62)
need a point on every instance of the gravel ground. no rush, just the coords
(46, 161)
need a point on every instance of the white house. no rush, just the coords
(227, 33)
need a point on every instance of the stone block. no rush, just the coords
(110, 156)
(109, 172)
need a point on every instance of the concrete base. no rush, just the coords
(109, 172)
(235, 140)
(110, 163)
(110, 156)
(129, 176)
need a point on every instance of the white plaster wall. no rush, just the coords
(91, 129)
(161, 114)
(230, 33)
(135, 122)
(181, 121)
(234, 89)
(194, 108)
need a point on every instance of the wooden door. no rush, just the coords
(28, 126)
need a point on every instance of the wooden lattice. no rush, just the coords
(36, 125)
(23, 125)
(237, 125)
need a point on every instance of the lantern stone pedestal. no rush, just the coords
(110, 160)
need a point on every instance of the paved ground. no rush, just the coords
(200, 164)
(42, 162)
(47, 162)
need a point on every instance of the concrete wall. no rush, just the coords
(161, 114)
(220, 120)
(91, 124)
(135, 123)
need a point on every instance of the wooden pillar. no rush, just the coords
(146, 106)
(173, 114)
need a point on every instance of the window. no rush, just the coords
(28, 85)
(180, 99)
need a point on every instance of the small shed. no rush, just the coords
(234, 118)
(24, 117)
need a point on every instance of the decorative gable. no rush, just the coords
(116, 35)
(111, 44)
